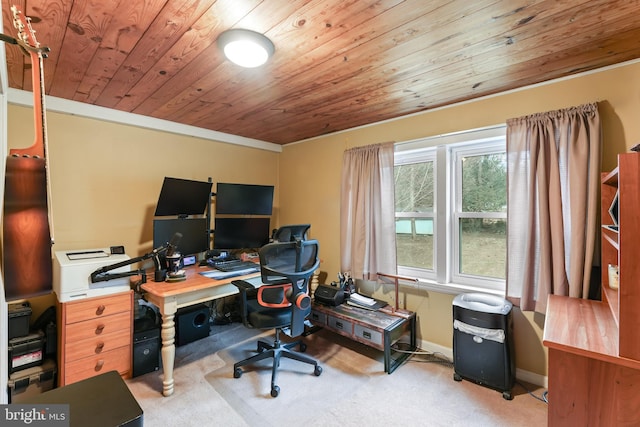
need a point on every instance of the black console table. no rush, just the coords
(378, 329)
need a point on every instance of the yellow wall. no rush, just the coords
(106, 177)
(315, 172)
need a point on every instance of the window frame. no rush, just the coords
(421, 156)
(446, 152)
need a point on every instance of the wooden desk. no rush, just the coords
(169, 297)
(589, 383)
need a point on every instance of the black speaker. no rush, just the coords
(146, 351)
(192, 324)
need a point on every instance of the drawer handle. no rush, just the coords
(99, 347)
(99, 329)
(99, 365)
(339, 325)
(100, 309)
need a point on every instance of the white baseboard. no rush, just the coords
(436, 348)
(521, 374)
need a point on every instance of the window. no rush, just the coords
(451, 210)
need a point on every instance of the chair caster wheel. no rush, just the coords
(303, 347)
(317, 370)
(457, 377)
(237, 373)
(275, 391)
(507, 395)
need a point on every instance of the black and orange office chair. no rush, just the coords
(291, 233)
(281, 303)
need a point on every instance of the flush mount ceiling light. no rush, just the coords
(245, 47)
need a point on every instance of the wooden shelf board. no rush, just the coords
(611, 178)
(610, 236)
(610, 297)
(581, 326)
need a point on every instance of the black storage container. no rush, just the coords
(25, 352)
(483, 341)
(32, 381)
(19, 318)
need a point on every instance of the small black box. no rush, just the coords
(329, 295)
(146, 351)
(19, 319)
(192, 324)
(25, 352)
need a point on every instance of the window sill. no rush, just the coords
(455, 289)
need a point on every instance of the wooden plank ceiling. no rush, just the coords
(338, 63)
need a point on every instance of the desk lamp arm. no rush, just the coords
(102, 274)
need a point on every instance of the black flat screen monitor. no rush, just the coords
(183, 197)
(244, 199)
(240, 233)
(195, 236)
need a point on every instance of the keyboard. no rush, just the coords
(231, 265)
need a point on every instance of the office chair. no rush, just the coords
(282, 302)
(291, 233)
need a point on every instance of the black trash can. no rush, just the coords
(483, 341)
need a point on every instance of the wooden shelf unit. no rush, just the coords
(594, 350)
(622, 248)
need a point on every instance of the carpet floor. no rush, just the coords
(352, 390)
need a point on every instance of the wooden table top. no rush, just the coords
(194, 282)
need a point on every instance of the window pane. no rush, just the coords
(414, 242)
(483, 247)
(414, 187)
(484, 183)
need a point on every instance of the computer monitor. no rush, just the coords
(240, 233)
(243, 199)
(195, 236)
(183, 197)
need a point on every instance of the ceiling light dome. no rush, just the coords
(245, 47)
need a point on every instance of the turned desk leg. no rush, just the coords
(168, 334)
(314, 282)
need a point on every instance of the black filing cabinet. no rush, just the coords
(483, 341)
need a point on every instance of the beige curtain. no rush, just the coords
(367, 212)
(553, 175)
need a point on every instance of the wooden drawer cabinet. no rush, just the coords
(95, 337)
(118, 360)
(97, 345)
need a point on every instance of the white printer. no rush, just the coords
(72, 274)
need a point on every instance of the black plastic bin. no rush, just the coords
(483, 341)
